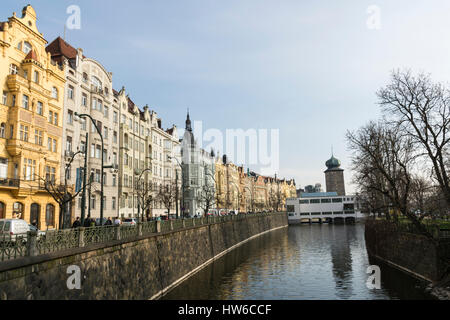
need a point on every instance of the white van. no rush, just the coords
(13, 228)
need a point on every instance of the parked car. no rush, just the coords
(129, 222)
(11, 229)
(212, 212)
(223, 212)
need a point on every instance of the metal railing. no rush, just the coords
(34, 244)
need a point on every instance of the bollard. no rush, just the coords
(80, 237)
(31, 243)
(158, 226)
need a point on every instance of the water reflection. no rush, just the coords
(299, 262)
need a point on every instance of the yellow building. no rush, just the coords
(30, 122)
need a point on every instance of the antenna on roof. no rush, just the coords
(332, 154)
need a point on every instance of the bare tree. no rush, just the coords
(145, 194)
(420, 108)
(63, 194)
(383, 161)
(206, 198)
(167, 195)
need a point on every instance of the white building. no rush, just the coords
(323, 206)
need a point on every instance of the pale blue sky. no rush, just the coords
(308, 68)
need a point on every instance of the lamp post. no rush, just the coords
(182, 186)
(84, 115)
(139, 185)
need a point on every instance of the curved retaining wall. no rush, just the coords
(411, 253)
(144, 268)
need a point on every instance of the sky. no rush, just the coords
(310, 69)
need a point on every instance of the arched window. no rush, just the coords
(50, 215)
(2, 130)
(85, 77)
(54, 93)
(19, 46)
(96, 82)
(27, 47)
(2, 210)
(35, 215)
(13, 69)
(18, 210)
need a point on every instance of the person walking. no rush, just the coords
(76, 223)
(117, 221)
(108, 222)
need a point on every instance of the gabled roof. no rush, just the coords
(32, 55)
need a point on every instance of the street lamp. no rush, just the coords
(84, 115)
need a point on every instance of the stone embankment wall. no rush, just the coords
(143, 268)
(412, 253)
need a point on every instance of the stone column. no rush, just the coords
(80, 237)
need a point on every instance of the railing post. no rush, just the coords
(31, 243)
(139, 226)
(158, 226)
(117, 233)
(171, 225)
(193, 222)
(80, 236)
(184, 223)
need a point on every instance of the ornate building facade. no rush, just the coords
(30, 122)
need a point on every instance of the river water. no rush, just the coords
(302, 262)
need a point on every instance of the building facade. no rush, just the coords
(199, 170)
(88, 91)
(30, 122)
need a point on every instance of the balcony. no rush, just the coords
(9, 183)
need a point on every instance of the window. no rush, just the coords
(25, 102)
(85, 77)
(69, 143)
(29, 169)
(325, 201)
(98, 151)
(97, 175)
(25, 74)
(105, 133)
(23, 132)
(27, 47)
(50, 174)
(94, 104)
(50, 215)
(70, 117)
(50, 116)
(55, 118)
(13, 69)
(83, 146)
(84, 100)
(70, 91)
(336, 200)
(115, 136)
(54, 145)
(36, 76)
(19, 46)
(93, 202)
(40, 108)
(2, 130)
(113, 204)
(54, 93)
(96, 82)
(13, 100)
(92, 150)
(49, 144)
(304, 201)
(314, 201)
(115, 117)
(106, 111)
(4, 98)
(3, 168)
(83, 123)
(114, 161)
(125, 159)
(38, 137)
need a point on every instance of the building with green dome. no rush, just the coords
(334, 176)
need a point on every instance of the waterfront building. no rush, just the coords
(166, 161)
(89, 90)
(323, 206)
(198, 174)
(334, 176)
(31, 108)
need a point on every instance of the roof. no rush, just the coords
(31, 55)
(60, 48)
(318, 194)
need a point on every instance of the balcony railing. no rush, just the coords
(11, 183)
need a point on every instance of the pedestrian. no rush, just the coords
(108, 222)
(76, 223)
(92, 222)
(117, 221)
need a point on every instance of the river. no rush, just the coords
(302, 262)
